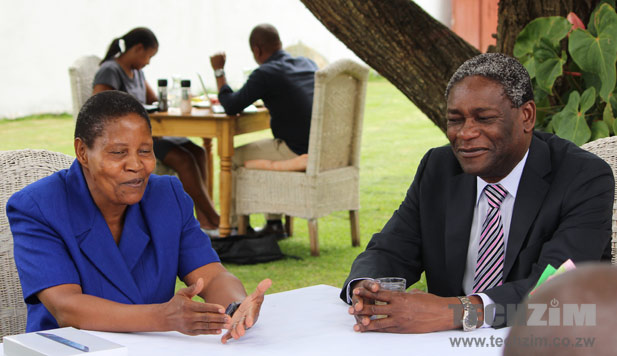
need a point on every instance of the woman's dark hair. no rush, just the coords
(134, 37)
(103, 108)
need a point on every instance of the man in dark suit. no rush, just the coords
(485, 215)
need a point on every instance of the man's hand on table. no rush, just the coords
(411, 312)
(247, 314)
(218, 60)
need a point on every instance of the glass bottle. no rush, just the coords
(162, 95)
(185, 97)
(173, 96)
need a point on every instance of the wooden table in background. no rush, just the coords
(204, 123)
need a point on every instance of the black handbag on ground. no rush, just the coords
(246, 250)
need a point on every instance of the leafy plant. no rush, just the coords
(573, 72)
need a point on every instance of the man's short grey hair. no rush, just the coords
(503, 69)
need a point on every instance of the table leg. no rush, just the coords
(209, 167)
(226, 152)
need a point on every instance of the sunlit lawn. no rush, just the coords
(395, 137)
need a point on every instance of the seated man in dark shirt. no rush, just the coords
(285, 84)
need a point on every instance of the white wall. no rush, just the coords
(41, 38)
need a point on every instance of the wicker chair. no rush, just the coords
(606, 149)
(330, 182)
(18, 169)
(300, 49)
(82, 74)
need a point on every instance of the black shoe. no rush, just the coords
(272, 227)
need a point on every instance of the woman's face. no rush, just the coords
(119, 163)
(143, 55)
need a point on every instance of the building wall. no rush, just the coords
(475, 21)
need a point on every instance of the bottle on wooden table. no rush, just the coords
(173, 94)
(185, 97)
(162, 95)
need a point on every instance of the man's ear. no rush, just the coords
(81, 152)
(528, 111)
(256, 51)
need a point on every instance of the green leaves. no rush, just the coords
(570, 122)
(590, 69)
(595, 50)
(553, 29)
(588, 99)
(599, 129)
(537, 46)
(549, 68)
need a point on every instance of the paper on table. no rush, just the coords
(550, 272)
(309, 321)
(32, 344)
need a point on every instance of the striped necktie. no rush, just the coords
(489, 268)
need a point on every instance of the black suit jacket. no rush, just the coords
(563, 209)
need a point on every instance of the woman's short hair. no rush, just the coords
(102, 108)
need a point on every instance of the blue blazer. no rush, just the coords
(61, 237)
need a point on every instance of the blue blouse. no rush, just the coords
(61, 237)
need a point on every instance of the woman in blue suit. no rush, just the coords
(98, 246)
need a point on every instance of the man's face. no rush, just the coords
(488, 136)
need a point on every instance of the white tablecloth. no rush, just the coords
(309, 321)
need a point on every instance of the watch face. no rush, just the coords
(468, 324)
(471, 319)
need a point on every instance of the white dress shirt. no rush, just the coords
(510, 183)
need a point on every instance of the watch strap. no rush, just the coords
(232, 308)
(468, 309)
(219, 72)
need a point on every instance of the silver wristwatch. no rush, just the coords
(470, 315)
(219, 72)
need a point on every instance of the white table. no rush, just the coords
(306, 321)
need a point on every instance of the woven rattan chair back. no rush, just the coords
(17, 170)
(606, 149)
(338, 109)
(82, 74)
(301, 49)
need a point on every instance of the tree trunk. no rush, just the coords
(515, 14)
(416, 52)
(402, 42)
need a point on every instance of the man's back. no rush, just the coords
(286, 86)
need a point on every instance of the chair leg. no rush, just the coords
(354, 221)
(207, 144)
(243, 222)
(289, 227)
(312, 227)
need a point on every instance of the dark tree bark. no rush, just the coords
(402, 42)
(416, 52)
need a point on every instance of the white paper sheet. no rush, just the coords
(307, 321)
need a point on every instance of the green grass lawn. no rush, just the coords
(395, 137)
